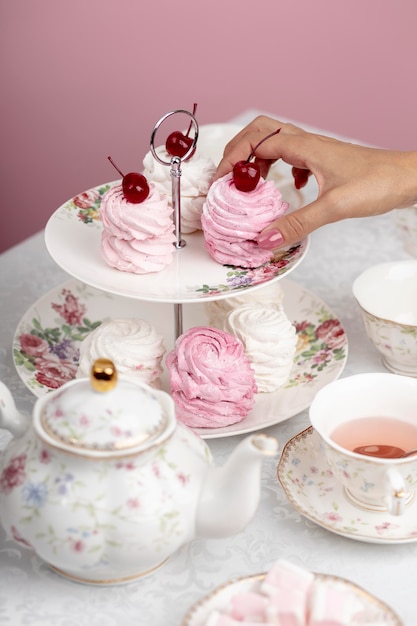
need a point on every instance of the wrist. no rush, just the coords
(410, 178)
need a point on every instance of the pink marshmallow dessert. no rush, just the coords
(136, 237)
(289, 595)
(212, 381)
(232, 220)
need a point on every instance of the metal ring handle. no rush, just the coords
(190, 151)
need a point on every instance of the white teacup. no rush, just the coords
(372, 483)
(387, 296)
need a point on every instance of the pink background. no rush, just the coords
(86, 78)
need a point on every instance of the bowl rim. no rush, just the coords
(361, 291)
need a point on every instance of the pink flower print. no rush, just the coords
(126, 466)
(84, 421)
(72, 311)
(156, 470)
(33, 345)
(116, 431)
(333, 517)
(265, 272)
(45, 456)
(133, 503)
(77, 545)
(300, 326)
(86, 199)
(13, 474)
(18, 537)
(332, 333)
(384, 527)
(320, 357)
(58, 411)
(53, 373)
(183, 478)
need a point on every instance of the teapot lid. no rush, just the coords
(105, 414)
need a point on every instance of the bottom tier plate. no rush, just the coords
(65, 315)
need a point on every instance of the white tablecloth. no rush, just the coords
(30, 593)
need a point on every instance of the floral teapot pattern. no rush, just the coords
(104, 484)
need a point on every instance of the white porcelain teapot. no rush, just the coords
(105, 485)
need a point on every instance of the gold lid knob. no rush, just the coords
(103, 375)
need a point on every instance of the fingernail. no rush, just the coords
(270, 239)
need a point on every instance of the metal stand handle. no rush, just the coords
(175, 171)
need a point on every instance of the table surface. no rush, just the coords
(31, 593)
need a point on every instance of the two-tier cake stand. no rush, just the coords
(174, 298)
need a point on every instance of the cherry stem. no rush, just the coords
(191, 123)
(115, 166)
(252, 154)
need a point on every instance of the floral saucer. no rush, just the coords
(47, 342)
(312, 490)
(377, 611)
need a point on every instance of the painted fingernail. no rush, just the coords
(270, 239)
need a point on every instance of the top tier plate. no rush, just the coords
(73, 233)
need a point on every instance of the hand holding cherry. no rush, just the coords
(246, 174)
(134, 185)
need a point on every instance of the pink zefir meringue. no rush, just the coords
(212, 381)
(232, 220)
(197, 174)
(136, 238)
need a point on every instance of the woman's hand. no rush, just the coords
(353, 180)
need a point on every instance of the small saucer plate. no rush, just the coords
(312, 489)
(219, 598)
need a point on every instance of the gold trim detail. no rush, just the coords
(103, 455)
(109, 581)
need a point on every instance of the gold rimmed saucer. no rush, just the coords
(312, 489)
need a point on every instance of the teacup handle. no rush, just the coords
(396, 492)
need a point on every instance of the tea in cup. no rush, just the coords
(364, 422)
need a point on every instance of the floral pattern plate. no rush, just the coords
(219, 599)
(73, 234)
(312, 489)
(47, 340)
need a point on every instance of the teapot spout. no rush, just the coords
(230, 494)
(10, 418)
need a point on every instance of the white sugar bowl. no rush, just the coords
(387, 296)
(104, 484)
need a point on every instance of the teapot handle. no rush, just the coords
(10, 418)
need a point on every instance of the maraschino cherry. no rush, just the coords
(134, 185)
(300, 176)
(178, 144)
(246, 174)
